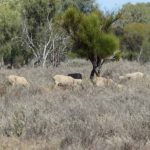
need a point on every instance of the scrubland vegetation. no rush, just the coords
(43, 38)
(86, 117)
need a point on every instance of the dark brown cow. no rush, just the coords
(75, 75)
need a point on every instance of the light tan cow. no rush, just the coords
(103, 82)
(17, 80)
(66, 80)
(132, 76)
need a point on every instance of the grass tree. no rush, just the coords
(91, 36)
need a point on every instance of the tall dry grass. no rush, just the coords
(84, 118)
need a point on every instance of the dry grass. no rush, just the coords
(84, 118)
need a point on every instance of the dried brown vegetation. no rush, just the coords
(88, 117)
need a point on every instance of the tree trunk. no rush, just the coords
(1, 62)
(92, 73)
(99, 62)
(44, 63)
(96, 63)
(140, 54)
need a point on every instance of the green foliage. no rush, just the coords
(138, 13)
(71, 22)
(36, 13)
(138, 28)
(117, 55)
(133, 39)
(84, 6)
(88, 38)
(10, 25)
(72, 55)
(107, 45)
(145, 56)
(134, 29)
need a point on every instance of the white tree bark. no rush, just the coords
(52, 47)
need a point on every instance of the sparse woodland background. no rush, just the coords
(31, 31)
(35, 44)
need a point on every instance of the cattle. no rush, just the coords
(132, 76)
(101, 81)
(62, 80)
(17, 80)
(75, 75)
(104, 82)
